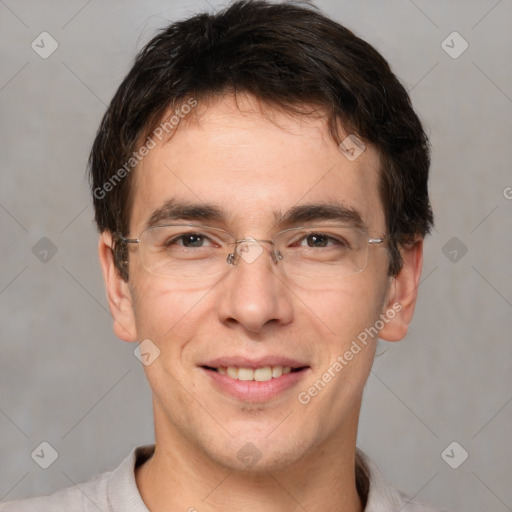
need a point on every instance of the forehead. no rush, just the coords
(254, 166)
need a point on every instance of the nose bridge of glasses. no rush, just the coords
(250, 248)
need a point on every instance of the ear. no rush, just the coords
(118, 292)
(402, 293)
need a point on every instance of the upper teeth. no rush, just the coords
(260, 374)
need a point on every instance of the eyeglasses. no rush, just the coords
(189, 250)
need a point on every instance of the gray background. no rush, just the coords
(66, 380)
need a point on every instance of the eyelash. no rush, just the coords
(329, 238)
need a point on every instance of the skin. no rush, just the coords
(250, 163)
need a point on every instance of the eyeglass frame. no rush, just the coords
(231, 259)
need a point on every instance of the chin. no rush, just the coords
(255, 454)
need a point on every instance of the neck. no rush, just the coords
(180, 477)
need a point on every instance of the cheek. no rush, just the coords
(343, 322)
(342, 312)
(163, 308)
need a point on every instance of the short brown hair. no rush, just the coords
(286, 55)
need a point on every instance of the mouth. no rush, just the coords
(260, 374)
(254, 381)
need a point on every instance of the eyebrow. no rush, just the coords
(175, 209)
(320, 212)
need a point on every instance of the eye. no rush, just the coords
(317, 240)
(323, 240)
(189, 240)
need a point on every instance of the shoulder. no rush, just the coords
(89, 496)
(382, 497)
(112, 491)
(407, 504)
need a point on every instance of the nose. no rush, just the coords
(254, 294)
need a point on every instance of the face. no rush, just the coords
(253, 166)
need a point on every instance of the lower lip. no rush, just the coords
(253, 390)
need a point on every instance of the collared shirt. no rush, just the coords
(116, 491)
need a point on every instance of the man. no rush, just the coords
(260, 188)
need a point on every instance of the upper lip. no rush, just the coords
(246, 362)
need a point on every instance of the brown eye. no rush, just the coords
(317, 240)
(191, 240)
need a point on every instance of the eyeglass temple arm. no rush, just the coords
(118, 237)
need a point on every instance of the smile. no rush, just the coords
(258, 384)
(261, 374)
